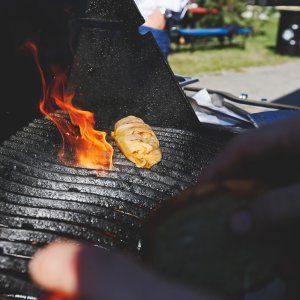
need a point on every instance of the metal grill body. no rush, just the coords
(116, 72)
(42, 200)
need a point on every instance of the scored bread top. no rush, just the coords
(137, 141)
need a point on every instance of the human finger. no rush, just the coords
(54, 268)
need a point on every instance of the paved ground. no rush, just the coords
(281, 82)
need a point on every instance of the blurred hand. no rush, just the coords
(156, 20)
(270, 154)
(79, 272)
(275, 217)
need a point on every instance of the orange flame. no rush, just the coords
(87, 146)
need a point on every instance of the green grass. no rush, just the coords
(211, 58)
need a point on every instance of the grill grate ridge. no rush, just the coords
(42, 200)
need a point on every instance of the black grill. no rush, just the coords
(42, 200)
(116, 73)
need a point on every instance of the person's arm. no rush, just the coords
(156, 20)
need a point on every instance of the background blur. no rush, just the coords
(211, 55)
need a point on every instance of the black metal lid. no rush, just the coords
(117, 72)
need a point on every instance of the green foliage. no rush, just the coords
(231, 12)
(240, 14)
(208, 20)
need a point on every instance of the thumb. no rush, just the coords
(91, 273)
(54, 268)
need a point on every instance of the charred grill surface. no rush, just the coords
(42, 200)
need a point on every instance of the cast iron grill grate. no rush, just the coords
(42, 200)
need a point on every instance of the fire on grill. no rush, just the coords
(82, 145)
(88, 147)
(43, 199)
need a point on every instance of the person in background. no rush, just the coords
(157, 14)
(270, 153)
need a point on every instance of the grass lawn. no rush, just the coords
(212, 58)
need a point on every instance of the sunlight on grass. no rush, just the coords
(212, 58)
